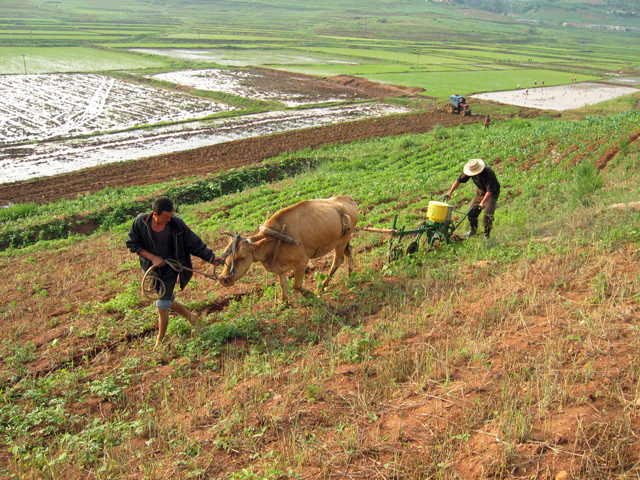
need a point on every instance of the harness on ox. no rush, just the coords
(283, 237)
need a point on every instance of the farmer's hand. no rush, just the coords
(481, 206)
(216, 260)
(157, 261)
(447, 196)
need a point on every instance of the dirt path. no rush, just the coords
(212, 159)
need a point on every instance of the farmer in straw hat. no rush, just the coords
(488, 190)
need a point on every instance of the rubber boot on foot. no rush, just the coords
(471, 232)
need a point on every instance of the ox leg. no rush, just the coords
(284, 285)
(337, 261)
(298, 278)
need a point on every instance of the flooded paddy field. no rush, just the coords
(244, 57)
(224, 156)
(291, 90)
(43, 107)
(52, 124)
(26, 161)
(560, 97)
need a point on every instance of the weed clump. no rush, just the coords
(18, 210)
(587, 180)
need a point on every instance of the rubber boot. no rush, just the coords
(487, 232)
(472, 232)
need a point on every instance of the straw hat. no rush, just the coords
(473, 167)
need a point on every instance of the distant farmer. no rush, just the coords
(487, 120)
(160, 236)
(486, 197)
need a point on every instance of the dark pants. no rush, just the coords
(489, 210)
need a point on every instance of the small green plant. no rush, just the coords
(600, 286)
(623, 147)
(440, 132)
(20, 355)
(587, 180)
(360, 348)
(107, 388)
(123, 302)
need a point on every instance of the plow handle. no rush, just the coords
(378, 230)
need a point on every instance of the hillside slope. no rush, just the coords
(513, 358)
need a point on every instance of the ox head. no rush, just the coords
(238, 258)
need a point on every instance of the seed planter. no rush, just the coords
(439, 227)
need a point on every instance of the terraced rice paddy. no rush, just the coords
(243, 84)
(560, 97)
(52, 124)
(44, 107)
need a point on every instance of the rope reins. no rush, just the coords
(154, 288)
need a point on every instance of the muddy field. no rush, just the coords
(212, 159)
(559, 97)
(43, 159)
(58, 123)
(35, 108)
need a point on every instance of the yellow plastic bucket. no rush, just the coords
(437, 211)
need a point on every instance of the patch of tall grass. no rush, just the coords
(18, 210)
(587, 180)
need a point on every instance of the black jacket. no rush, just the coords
(186, 243)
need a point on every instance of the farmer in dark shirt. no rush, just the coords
(486, 197)
(160, 236)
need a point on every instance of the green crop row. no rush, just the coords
(417, 168)
(121, 208)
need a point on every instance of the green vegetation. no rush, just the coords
(17, 60)
(524, 314)
(27, 224)
(438, 84)
(399, 43)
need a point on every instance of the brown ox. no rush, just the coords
(288, 239)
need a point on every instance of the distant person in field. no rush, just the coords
(487, 120)
(486, 197)
(160, 236)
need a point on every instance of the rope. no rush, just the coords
(154, 288)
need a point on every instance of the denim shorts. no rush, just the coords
(169, 276)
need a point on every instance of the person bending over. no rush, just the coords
(486, 197)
